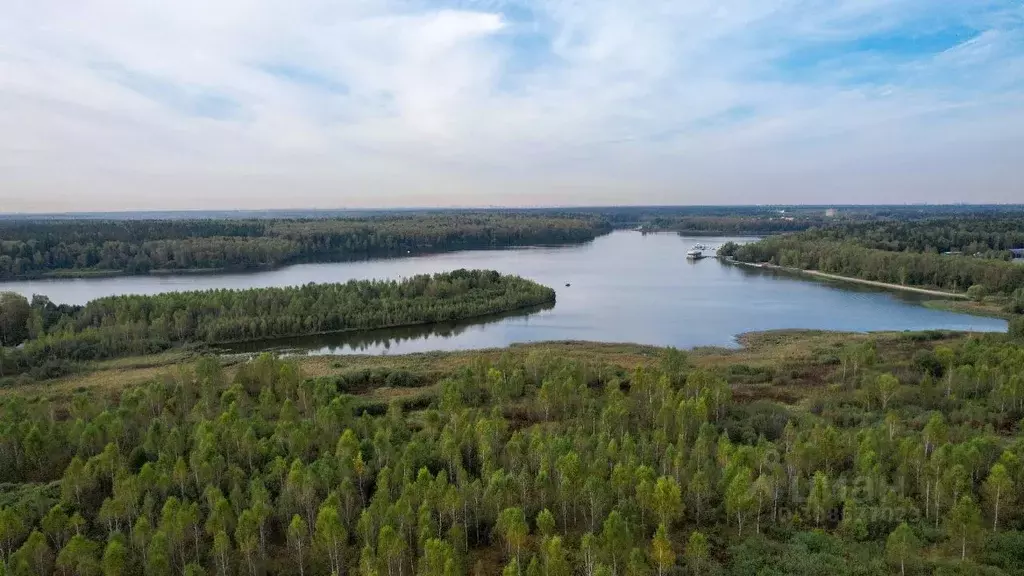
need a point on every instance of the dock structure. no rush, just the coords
(697, 252)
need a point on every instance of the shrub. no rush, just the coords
(977, 292)
(1017, 328)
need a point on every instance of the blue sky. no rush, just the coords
(312, 103)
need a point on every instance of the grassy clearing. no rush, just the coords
(987, 308)
(780, 366)
(113, 375)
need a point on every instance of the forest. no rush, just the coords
(53, 338)
(731, 225)
(955, 273)
(78, 247)
(990, 237)
(961, 254)
(803, 454)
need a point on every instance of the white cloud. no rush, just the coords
(110, 104)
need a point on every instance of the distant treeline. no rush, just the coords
(626, 215)
(988, 236)
(54, 336)
(739, 225)
(33, 248)
(989, 230)
(715, 221)
(614, 213)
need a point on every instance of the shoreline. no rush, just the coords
(888, 286)
(838, 278)
(968, 307)
(348, 331)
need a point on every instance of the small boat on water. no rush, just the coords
(698, 251)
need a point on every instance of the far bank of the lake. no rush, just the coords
(87, 273)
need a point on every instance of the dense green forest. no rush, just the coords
(56, 336)
(913, 253)
(948, 272)
(824, 454)
(991, 237)
(734, 225)
(31, 248)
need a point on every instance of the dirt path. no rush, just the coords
(817, 274)
(927, 291)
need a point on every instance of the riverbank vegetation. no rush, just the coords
(964, 255)
(34, 248)
(805, 454)
(52, 338)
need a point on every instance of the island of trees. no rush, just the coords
(33, 248)
(44, 339)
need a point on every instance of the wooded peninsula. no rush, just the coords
(53, 338)
(956, 254)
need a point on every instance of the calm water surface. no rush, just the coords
(625, 287)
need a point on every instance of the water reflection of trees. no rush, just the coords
(384, 339)
(851, 287)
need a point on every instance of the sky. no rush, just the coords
(254, 104)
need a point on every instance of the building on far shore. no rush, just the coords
(830, 213)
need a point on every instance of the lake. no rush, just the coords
(624, 287)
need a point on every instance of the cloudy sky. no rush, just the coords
(144, 104)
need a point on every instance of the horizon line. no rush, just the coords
(510, 207)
